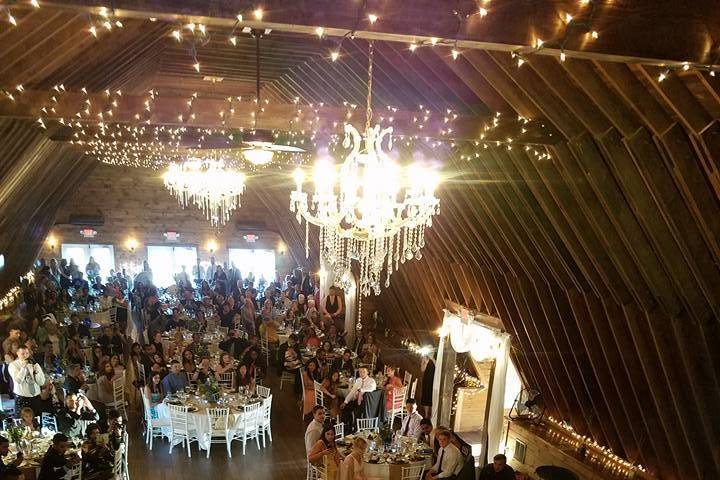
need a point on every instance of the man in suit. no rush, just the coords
(345, 363)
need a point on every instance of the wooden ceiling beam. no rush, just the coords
(166, 111)
(637, 32)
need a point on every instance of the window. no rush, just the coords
(519, 452)
(165, 262)
(260, 262)
(104, 255)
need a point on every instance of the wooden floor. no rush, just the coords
(281, 459)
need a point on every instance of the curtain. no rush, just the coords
(497, 398)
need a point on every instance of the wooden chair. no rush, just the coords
(367, 424)
(180, 427)
(219, 422)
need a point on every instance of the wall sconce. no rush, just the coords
(52, 242)
(211, 246)
(132, 244)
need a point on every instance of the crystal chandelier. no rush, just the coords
(370, 210)
(208, 184)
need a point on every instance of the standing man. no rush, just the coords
(28, 378)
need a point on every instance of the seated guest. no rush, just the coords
(226, 365)
(335, 337)
(4, 451)
(233, 344)
(77, 408)
(55, 465)
(353, 465)
(294, 364)
(203, 370)
(410, 426)
(329, 388)
(345, 363)
(353, 402)
(498, 469)
(312, 341)
(253, 345)
(117, 365)
(111, 342)
(97, 458)
(28, 420)
(325, 453)
(115, 428)
(427, 435)
(245, 378)
(75, 380)
(159, 324)
(105, 380)
(73, 351)
(77, 327)
(291, 342)
(159, 365)
(176, 380)
(176, 321)
(157, 341)
(227, 316)
(195, 345)
(98, 358)
(310, 375)
(147, 358)
(393, 382)
(188, 357)
(325, 356)
(154, 390)
(315, 428)
(450, 460)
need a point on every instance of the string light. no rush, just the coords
(258, 14)
(483, 12)
(334, 55)
(35, 3)
(372, 18)
(320, 31)
(455, 54)
(423, 350)
(413, 46)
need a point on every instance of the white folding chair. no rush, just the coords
(263, 392)
(265, 349)
(117, 470)
(180, 427)
(319, 398)
(413, 388)
(367, 424)
(407, 378)
(412, 473)
(118, 402)
(140, 374)
(339, 430)
(397, 406)
(74, 472)
(112, 315)
(219, 422)
(153, 426)
(286, 376)
(264, 424)
(249, 427)
(125, 444)
(227, 381)
(48, 421)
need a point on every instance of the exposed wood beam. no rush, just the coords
(632, 32)
(295, 117)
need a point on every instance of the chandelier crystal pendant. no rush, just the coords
(209, 184)
(370, 210)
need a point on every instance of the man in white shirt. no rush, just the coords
(450, 460)
(28, 378)
(410, 426)
(314, 430)
(354, 401)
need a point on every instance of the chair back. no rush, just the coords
(48, 421)
(227, 380)
(140, 373)
(179, 419)
(367, 424)
(74, 472)
(263, 392)
(118, 463)
(413, 388)
(319, 400)
(119, 390)
(112, 315)
(251, 416)
(146, 406)
(218, 419)
(398, 398)
(407, 378)
(266, 409)
(412, 473)
(339, 430)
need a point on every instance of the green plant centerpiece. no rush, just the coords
(16, 434)
(386, 434)
(210, 390)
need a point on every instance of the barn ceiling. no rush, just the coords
(595, 237)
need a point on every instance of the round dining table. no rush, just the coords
(198, 418)
(389, 465)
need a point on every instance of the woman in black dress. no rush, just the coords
(427, 366)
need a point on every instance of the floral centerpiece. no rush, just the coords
(209, 390)
(386, 434)
(16, 434)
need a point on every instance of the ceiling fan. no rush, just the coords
(259, 146)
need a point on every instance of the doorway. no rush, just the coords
(165, 262)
